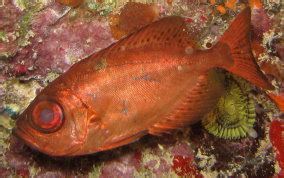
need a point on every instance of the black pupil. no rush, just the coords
(46, 115)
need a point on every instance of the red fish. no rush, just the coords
(151, 82)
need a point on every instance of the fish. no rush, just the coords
(153, 81)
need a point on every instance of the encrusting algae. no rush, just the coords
(234, 114)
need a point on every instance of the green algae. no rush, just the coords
(22, 4)
(28, 4)
(34, 170)
(104, 8)
(73, 14)
(6, 122)
(6, 126)
(23, 30)
(3, 36)
(234, 114)
(18, 95)
(50, 77)
(101, 64)
(96, 171)
(5, 54)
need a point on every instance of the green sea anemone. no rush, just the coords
(234, 115)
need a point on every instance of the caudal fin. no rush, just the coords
(237, 37)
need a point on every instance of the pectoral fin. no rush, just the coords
(199, 101)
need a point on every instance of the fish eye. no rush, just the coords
(47, 116)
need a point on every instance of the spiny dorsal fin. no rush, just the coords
(169, 31)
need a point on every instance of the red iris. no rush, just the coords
(47, 116)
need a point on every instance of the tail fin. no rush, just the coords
(237, 37)
(278, 99)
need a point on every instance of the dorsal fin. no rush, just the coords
(169, 31)
(169, 34)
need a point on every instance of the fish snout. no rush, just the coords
(23, 131)
(55, 144)
(42, 144)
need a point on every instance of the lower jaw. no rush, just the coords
(27, 138)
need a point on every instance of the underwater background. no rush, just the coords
(242, 136)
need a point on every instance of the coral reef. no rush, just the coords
(41, 39)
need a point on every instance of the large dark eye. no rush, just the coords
(47, 116)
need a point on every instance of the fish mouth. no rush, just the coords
(24, 136)
(29, 140)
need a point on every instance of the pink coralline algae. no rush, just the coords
(9, 15)
(60, 38)
(260, 21)
(4, 172)
(155, 161)
(158, 167)
(65, 44)
(182, 149)
(124, 166)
